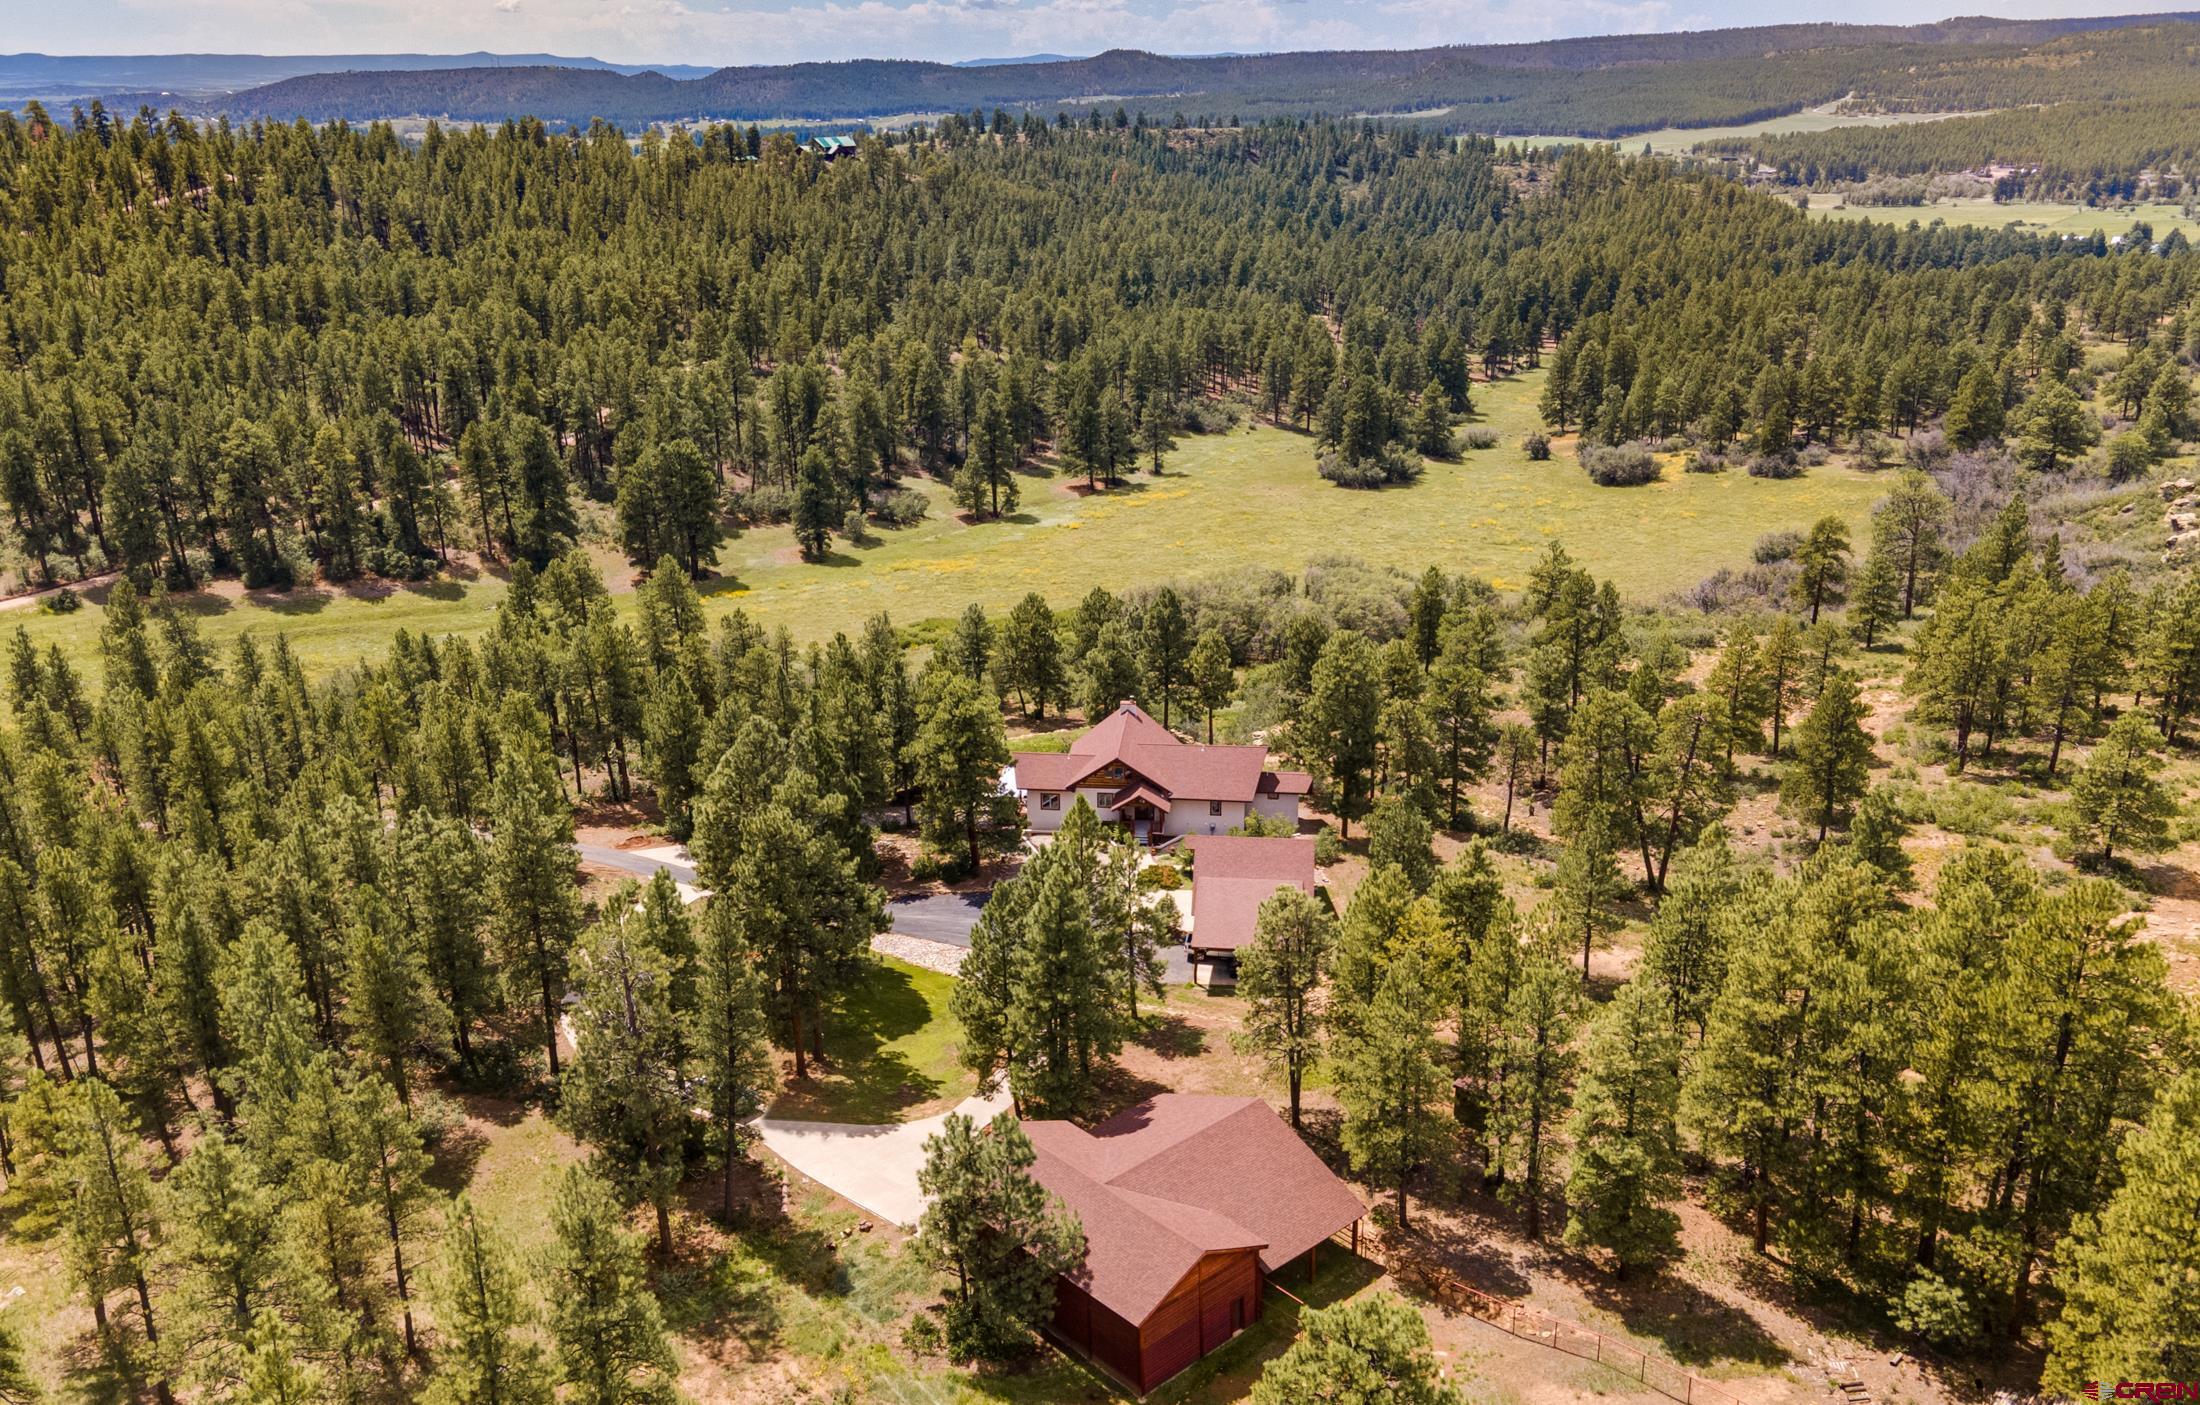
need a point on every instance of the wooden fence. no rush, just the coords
(1531, 1325)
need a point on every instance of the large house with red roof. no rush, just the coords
(1189, 1205)
(1138, 773)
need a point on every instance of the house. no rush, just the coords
(1232, 875)
(1190, 1204)
(1138, 773)
(831, 148)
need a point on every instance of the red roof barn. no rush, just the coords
(1189, 1204)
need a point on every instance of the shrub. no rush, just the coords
(1212, 416)
(1703, 461)
(923, 1337)
(903, 507)
(1328, 848)
(763, 506)
(1537, 447)
(2128, 456)
(1481, 436)
(1266, 827)
(1813, 455)
(1390, 465)
(1162, 877)
(1926, 448)
(1776, 546)
(1937, 1310)
(63, 602)
(1775, 466)
(1619, 465)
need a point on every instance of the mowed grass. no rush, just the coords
(2036, 216)
(1249, 498)
(891, 1052)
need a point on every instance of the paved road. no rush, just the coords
(938, 917)
(641, 865)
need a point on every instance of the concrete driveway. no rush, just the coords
(873, 1166)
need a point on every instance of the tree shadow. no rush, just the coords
(299, 600)
(1695, 1328)
(1171, 1036)
(860, 1080)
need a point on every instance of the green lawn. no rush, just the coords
(2039, 216)
(890, 1053)
(1247, 498)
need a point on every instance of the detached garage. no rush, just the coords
(1188, 1203)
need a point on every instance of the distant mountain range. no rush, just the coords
(1640, 81)
(202, 75)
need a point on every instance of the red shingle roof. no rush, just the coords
(1167, 1182)
(1153, 753)
(1232, 875)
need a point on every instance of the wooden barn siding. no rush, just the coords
(1197, 1316)
(1095, 1331)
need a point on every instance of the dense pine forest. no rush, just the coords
(1808, 929)
(278, 353)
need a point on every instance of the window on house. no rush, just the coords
(1050, 802)
(1214, 807)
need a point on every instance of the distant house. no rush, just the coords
(1138, 773)
(831, 148)
(1190, 1205)
(1232, 875)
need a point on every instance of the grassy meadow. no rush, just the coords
(1246, 498)
(1679, 141)
(2039, 216)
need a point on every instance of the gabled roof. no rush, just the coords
(1162, 1185)
(1232, 875)
(1182, 770)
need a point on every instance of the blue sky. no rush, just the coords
(779, 31)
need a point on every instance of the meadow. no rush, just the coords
(1679, 141)
(1249, 496)
(2039, 216)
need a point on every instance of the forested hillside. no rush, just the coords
(331, 353)
(1596, 87)
(2081, 116)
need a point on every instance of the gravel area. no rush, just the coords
(932, 956)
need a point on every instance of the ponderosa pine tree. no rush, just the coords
(804, 908)
(1336, 729)
(623, 1095)
(1822, 566)
(1831, 761)
(957, 756)
(1002, 1235)
(486, 1354)
(1395, 1092)
(1211, 678)
(1536, 1055)
(1626, 1153)
(1372, 1350)
(1031, 664)
(2116, 801)
(1279, 972)
(729, 1034)
(2129, 1313)
(605, 1327)
(534, 905)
